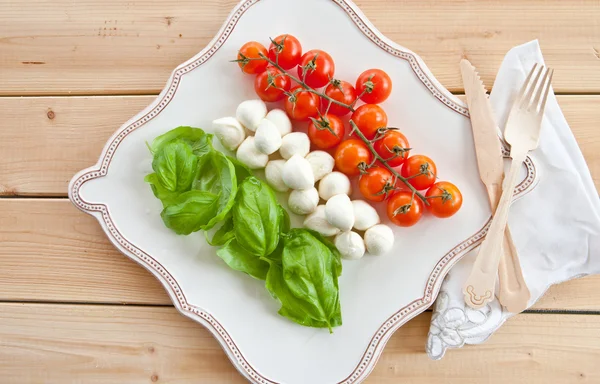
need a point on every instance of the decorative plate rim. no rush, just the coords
(385, 331)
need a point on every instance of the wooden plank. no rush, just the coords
(44, 141)
(108, 344)
(117, 47)
(73, 131)
(53, 252)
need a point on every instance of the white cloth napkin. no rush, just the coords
(556, 227)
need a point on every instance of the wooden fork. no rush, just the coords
(522, 132)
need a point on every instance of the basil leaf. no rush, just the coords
(223, 234)
(306, 283)
(200, 141)
(175, 166)
(292, 307)
(164, 195)
(256, 217)
(241, 170)
(190, 211)
(284, 219)
(216, 174)
(241, 260)
(337, 258)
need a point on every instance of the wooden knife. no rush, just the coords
(513, 292)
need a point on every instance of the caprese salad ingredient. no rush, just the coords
(249, 155)
(335, 183)
(379, 239)
(326, 132)
(295, 143)
(250, 113)
(321, 163)
(201, 188)
(376, 144)
(444, 199)
(350, 245)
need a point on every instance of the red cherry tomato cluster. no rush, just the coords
(304, 100)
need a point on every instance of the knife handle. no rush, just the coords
(513, 293)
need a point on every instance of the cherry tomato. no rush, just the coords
(377, 184)
(326, 132)
(422, 166)
(316, 68)
(301, 105)
(374, 85)
(252, 50)
(351, 155)
(341, 91)
(444, 199)
(271, 85)
(286, 51)
(404, 210)
(393, 147)
(368, 118)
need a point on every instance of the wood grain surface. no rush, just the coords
(123, 47)
(116, 344)
(85, 67)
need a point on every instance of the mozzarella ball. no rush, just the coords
(335, 183)
(250, 156)
(350, 245)
(379, 239)
(365, 215)
(229, 131)
(297, 173)
(250, 113)
(303, 202)
(267, 137)
(321, 163)
(295, 143)
(339, 212)
(281, 121)
(273, 175)
(317, 222)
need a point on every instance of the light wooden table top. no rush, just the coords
(71, 72)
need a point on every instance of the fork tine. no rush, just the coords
(519, 97)
(547, 91)
(534, 83)
(540, 87)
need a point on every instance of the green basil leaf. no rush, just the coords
(164, 195)
(203, 145)
(275, 256)
(337, 258)
(190, 212)
(216, 174)
(175, 166)
(224, 234)
(241, 170)
(200, 141)
(307, 284)
(284, 219)
(241, 260)
(292, 307)
(256, 217)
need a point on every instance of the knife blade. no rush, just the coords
(485, 132)
(513, 293)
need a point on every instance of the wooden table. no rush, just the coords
(74, 310)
